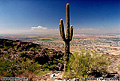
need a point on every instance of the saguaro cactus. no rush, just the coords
(69, 34)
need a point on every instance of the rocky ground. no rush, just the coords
(53, 76)
(57, 76)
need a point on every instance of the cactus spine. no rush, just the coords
(68, 37)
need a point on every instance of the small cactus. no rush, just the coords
(68, 37)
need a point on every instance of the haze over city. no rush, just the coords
(43, 16)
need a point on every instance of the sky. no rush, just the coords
(43, 16)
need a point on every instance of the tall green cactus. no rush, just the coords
(69, 34)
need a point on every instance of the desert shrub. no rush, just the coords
(5, 48)
(59, 60)
(4, 65)
(14, 52)
(39, 72)
(7, 55)
(17, 67)
(46, 65)
(1, 46)
(26, 64)
(81, 65)
(33, 67)
(118, 67)
(19, 49)
(7, 68)
(32, 49)
(39, 50)
(53, 67)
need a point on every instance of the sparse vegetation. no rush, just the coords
(1, 46)
(83, 65)
(18, 57)
(119, 67)
(5, 48)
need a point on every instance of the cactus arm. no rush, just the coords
(67, 22)
(71, 32)
(61, 28)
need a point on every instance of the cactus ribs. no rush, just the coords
(68, 37)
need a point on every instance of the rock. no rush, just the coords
(52, 75)
(114, 72)
(60, 65)
(117, 76)
(58, 79)
(75, 79)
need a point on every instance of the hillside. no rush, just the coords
(26, 59)
(19, 58)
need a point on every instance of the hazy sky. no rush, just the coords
(43, 16)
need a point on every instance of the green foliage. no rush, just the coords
(4, 65)
(33, 67)
(14, 52)
(15, 61)
(59, 61)
(10, 68)
(7, 55)
(45, 65)
(53, 66)
(1, 46)
(39, 50)
(5, 48)
(26, 64)
(119, 67)
(19, 49)
(80, 65)
(32, 49)
(39, 72)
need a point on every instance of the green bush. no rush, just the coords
(39, 72)
(80, 65)
(119, 67)
(32, 49)
(14, 52)
(19, 49)
(4, 65)
(33, 67)
(39, 50)
(1, 46)
(12, 68)
(7, 55)
(5, 48)
(53, 66)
